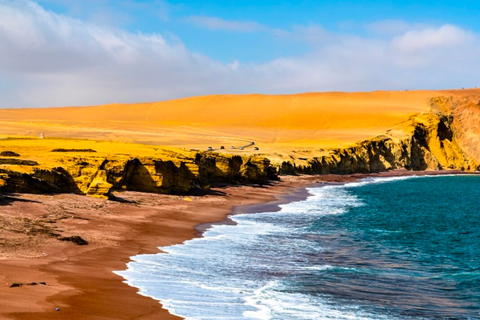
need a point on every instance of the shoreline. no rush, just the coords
(300, 192)
(80, 279)
(297, 193)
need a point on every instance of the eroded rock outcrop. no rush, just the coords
(430, 141)
(55, 180)
(98, 177)
(8, 153)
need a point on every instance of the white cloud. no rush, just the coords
(48, 59)
(432, 38)
(56, 60)
(214, 23)
(443, 47)
(425, 58)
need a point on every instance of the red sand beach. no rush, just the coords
(79, 279)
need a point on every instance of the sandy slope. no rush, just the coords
(291, 125)
(311, 118)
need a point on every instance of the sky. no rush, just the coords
(69, 52)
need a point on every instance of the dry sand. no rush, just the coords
(275, 122)
(284, 127)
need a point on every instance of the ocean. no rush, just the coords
(381, 248)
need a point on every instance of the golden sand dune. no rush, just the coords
(301, 111)
(274, 122)
(277, 123)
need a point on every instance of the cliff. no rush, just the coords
(445, 138)
(444, 134)
(99, 177)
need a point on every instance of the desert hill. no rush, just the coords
(310, 120)
(165, 146)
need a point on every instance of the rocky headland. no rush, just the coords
(99, 176)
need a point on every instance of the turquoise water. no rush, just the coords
(415, 246)
(394, 248)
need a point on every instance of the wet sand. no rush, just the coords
(79, 279)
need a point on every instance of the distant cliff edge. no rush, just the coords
(446, 138)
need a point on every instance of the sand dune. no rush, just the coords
(275, 122)
(310, 110)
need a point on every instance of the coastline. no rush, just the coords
(80, 279)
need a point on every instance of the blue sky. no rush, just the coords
(68, 52)
(257, 40)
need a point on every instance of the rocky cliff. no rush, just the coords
(445, 138)
(99, 177)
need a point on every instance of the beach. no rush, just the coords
(79, 279)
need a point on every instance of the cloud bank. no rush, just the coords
(48, 59)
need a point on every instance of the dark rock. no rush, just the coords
(73, 150)
(18, 162)
(9, 154)
(19, 284)
(75, 239)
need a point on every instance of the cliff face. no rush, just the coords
(465, 113)
(98, 177)
(446, 138)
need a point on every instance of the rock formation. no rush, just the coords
(447, 137)
(97, 178)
